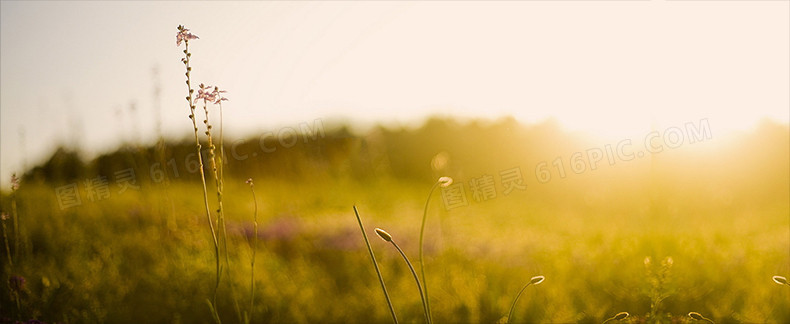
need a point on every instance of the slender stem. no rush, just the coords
(221, 151)
(416, 279)
(254, 245)
(16, 224)
(202, 173)
(213, 311)
(376, 265)
(7, 249)
(513, 306)
(221, 222)
(422, 260)
(18, 306)
(217, 179)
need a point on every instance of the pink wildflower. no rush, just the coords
(205, 94)
(184, 35)
(218, 95)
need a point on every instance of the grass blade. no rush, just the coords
(376, 265)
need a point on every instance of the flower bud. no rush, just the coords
(384, 235)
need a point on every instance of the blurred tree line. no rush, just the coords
(441, 146)
(404, 153)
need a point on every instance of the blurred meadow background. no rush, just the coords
(638, 166)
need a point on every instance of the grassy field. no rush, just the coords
(690, 230)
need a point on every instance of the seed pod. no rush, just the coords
(445, 181)
(384, 235)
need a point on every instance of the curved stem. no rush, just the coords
(416, 279)
(513, 307)
(376, 265)
(422, 260)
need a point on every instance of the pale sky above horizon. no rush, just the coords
(72, 70)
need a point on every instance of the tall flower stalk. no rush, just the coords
(222, 161)
(533, 281)
(185, 36)
(387, 237)
(208, 95)
(253, 246)
(444, 182)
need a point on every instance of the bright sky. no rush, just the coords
(72, 70)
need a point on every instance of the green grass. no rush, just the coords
(720, 211)
(116, 260)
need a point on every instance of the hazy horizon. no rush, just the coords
(72, 71)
